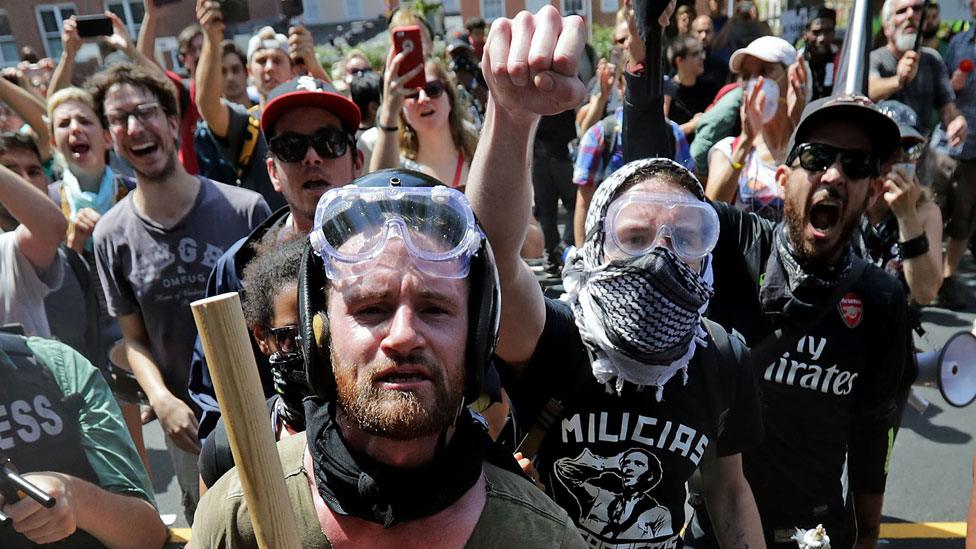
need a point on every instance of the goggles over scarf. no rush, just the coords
(353, 225)
(637, 222)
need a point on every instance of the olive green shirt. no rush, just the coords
(516, 513)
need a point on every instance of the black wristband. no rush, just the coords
(389, 128)
(914, 247)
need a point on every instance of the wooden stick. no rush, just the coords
(223, 332)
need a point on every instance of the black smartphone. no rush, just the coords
(292, 8)
(164, 2)
(235, 11)
(93, 25)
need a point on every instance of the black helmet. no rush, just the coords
(483, 303)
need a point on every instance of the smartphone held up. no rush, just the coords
(407, 40)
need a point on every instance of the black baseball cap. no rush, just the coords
(306, 91)
(858, 110)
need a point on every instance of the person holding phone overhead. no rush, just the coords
(421, 107)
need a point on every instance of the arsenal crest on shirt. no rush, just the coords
(851, 309)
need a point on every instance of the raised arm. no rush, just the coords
(208, 78)
(70, 44)
(32, 110)
(530, 65)
(146, 43)
(42, 225)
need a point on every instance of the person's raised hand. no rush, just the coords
(907, 68)
(395, 87)
(751, 111)
(796, 95)
(81, 228)
(120, 38)
(605, 73)
(38, 523)
(211, 19)
(301, 46)
(901, 191)
(178, 423)
(531, 63)
(71, 41)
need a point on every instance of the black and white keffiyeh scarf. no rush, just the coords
(640, 318)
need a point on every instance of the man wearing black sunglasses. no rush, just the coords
(828, 331)
(310, 131)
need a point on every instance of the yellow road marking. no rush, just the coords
(923, 530)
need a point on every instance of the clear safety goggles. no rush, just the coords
(637, 222)
(353, 225)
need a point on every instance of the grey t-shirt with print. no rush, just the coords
(158, 271)
(928, 92)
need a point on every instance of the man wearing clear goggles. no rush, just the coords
(628, 428)
(398, 316)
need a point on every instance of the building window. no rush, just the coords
(50, 18)
(535, 5)
(571, 7)
(609, 6)
(451, 6)
(354, 10)
(130, 12)
(8, 46)
(492, 9)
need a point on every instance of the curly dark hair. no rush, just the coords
(127, 73)
(274, 266)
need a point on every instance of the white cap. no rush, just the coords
(771, 49)
(279, 42)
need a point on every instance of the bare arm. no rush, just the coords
(70, 44)
(605, 73)
(530, 65)
(867, 509)
(116, 520)
(924, 273)
(32, 110)
(881, 88)
(175, 416)
(42, 225)
(584, 195)
(730, 503)
(146, 43)
(208, 78)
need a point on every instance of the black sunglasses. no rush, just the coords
(432, 89)
(285, 338)
(328, 142)
(817, 157)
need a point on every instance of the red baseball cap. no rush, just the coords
(307, 91)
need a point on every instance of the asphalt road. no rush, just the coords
(930, 474)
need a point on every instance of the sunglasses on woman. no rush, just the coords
(817, 157)
(328, 142)
(432, 89)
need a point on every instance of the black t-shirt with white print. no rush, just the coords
(618, 464)
(830, 396)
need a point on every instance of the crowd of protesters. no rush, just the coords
(786, 226)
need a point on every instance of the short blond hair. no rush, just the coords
(64, 95)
